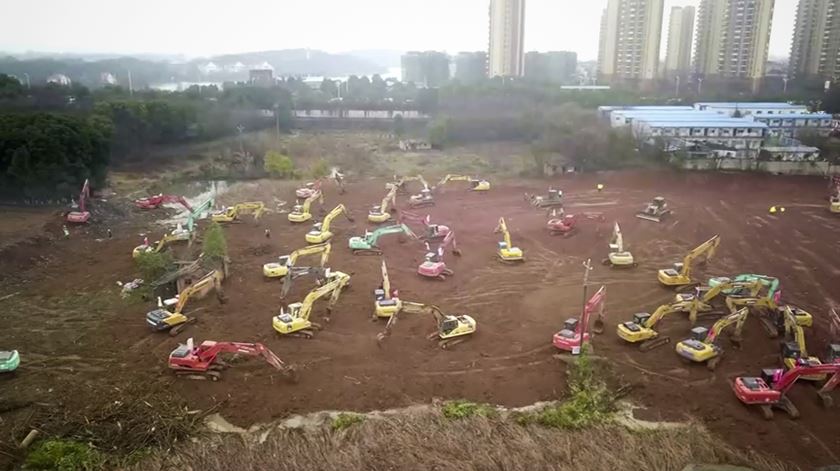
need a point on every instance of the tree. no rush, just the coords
(398, 127)
(319, 169)
(278, 165)
(215, 244)
(439, 132)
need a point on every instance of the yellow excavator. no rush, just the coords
(295, 322)
(320, 231)
(285, 262)
(232, 213)
(476, 184)
(382, 213)
(618, 257)
(700, 300)
(155, 247)
(162, 319)
(451, 329)
(773, 315)
(640, 329)
(794, 352)
(507, 252)
(680, 275)
(300, 212)
(386, 303)
(702, 346)
(399, 183)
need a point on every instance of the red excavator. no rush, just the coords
(770, 389)
(82, 215)
(433, 265)
(576, 330)
(566, 224)
(154, 202)
(431, 231)
(203, 362)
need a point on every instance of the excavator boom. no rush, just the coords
(738, 318)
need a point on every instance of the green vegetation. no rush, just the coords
(215, 244)
(461, 409)
(153, 265)
(439, 132)
(64, 455)
(320, 168)
(345, 420)
(278, 165)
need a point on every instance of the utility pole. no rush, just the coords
(677, 93)
(583, 328)
(130, 85)
(699, 85)
(785, 80)
(28, 81)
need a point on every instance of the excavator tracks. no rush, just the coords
(367, 252)
(654, 343)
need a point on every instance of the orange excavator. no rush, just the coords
(82, 215)
(204, 362)
(769, 390)
(154, 202)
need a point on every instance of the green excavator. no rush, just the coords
(182, 233)
(366, 245)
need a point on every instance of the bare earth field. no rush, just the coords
(82, 345)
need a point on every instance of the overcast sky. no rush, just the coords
(204, 27)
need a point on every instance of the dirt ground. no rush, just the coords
(92, 345)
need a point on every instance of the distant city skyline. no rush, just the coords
(193, 28)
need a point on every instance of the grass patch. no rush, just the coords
(64, 455)
(345, 420)
(462, 409)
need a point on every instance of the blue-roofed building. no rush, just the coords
(743, 135)
(792, 124)
(604, 112)
(754, 108)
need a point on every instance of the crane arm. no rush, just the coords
(251, 349)
(738, 318)
(595, 303)
(386, 283)
(338, 280)
(617, 240)
(340, 209)
(707, 248)
(790, 377)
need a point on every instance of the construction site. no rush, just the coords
(361, 294)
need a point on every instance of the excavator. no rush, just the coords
(576, 330)
(338, 178)
(297, 272)
(399, 183)
(231, 213)
(82, 215)
(281, 267)
(433, 265)
(320, 231)
(295, 322)
(769, 390)
(680, 275)
(655, 211)
(507, 252)
(386, 303)
(423, 199)
(185, 233)
(451, 329)
(161, 319)
(834, 325)
(640, 329)
(618, 257)
(476, 184)
(155, 202)
(554, 198)
(700, 300)
(366, 245)
(309, 189)
(431, 231)
(793, 350)
(773, 317)
(152, 248)
(300, 212)
(566, 224)
(9, 361)
(382, 213)
(204, 362)
(834, 195)
(702, 346)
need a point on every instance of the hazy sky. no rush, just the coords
(194, 27)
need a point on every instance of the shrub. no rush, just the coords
(154, 265)
(319, 169)
(278, 165)
(345, 420)
(462, 409)
(215, 244)
(64, 455)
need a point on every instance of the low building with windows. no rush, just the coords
(750, 108)
(792, 124)
(744, 136)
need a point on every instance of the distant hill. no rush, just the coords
(300, 62)
(387, 58)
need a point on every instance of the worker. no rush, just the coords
(109, 233)
(267, 233)
(66, 231)
(773, 210)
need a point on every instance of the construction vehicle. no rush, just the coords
(300, 212)
(566, 224)
(81, 215)
(156, 247)
(834, 325)
(618, 257)
(433, 265)
(700, 300)
(204, 362)
(476, 184)
(554, 198)
(309, 189)
(794, 352)
(430, 231)
(320, 231)
(769, 282)
(655, 211)
(338, 178)
(155, 202)
(422, 200)
(575, 330)
(680, 275)
(450, 329)
(175, 321)
(769, 390)
(366, 244)
(9, 360)
(701, 347)
(386, 303)
(281, 267)
(506, 251)
(295, 322)
(186, 232)
(399, 184)
(640, 329)
(834, 204)
(772, 318)
(232, 213)
(382, 213)
(296, 272)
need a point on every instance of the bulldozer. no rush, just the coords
(506, 251)
(433, 265)
(554, 198)
(295, 322)
(476, 184)
(382, 213)
(655, 211)
(451, 329)
(320, 231)
(680, 275)
(161, 319)
(283, 264)
(702, 346)
(366, 245)
(204, 361)
(618, 257)
(300, 212)
(9, 361)
(232, 213)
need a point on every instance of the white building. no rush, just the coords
(629, 40)
(680, 35)
(59, 79)
(793, 124)
(748, 108)
(506, 56)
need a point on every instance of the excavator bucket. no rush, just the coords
(598, 325)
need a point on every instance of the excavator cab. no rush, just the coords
(639, 320)
(699, 333)
(833, 355)
(569, 328)
(791, 350)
